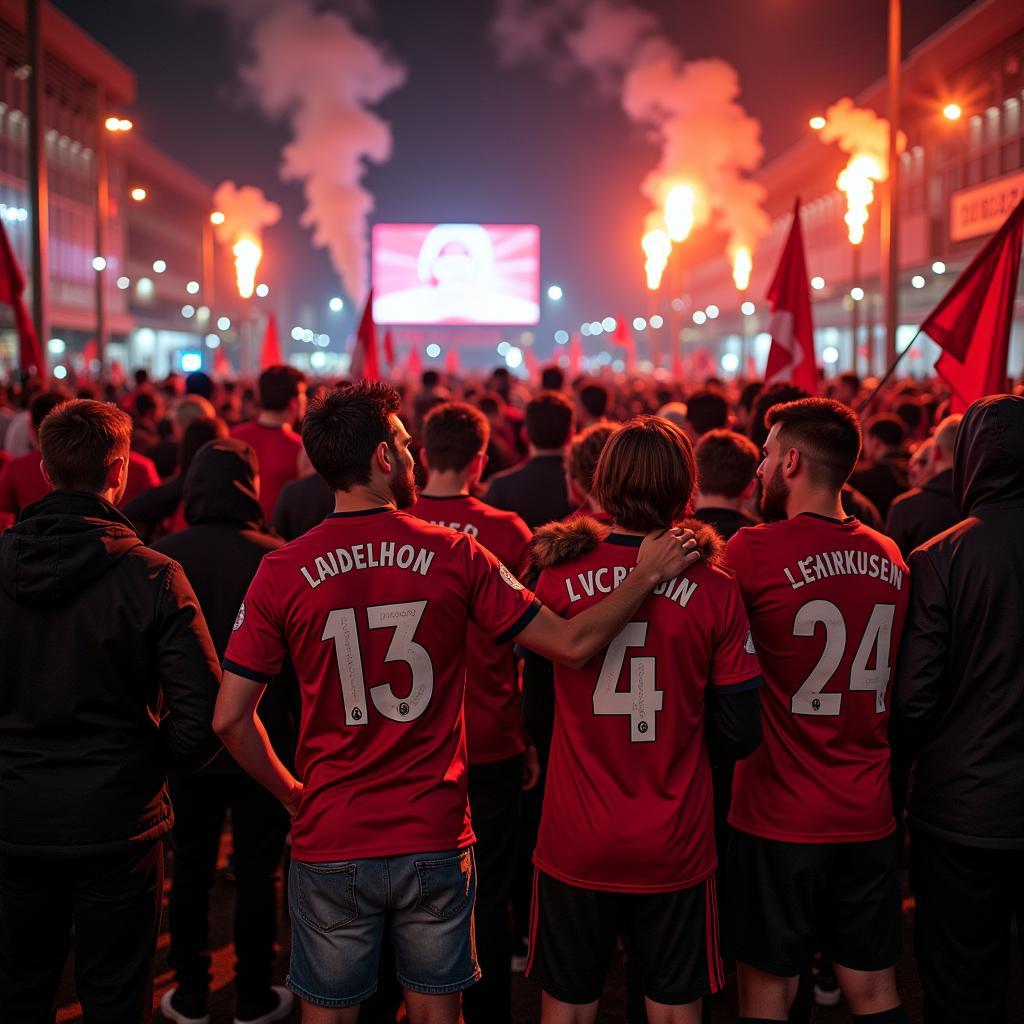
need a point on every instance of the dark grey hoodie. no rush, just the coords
(959, 695)
(108, 678)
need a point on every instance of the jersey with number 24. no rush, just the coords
(827, 599)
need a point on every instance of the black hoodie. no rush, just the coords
(221, 551)
(108, 679)
(959, 695)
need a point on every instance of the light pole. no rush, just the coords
(890, 196)
(38, 186)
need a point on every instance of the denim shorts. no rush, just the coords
(340, 911)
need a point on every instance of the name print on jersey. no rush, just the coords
(461, 527)
(380, 555)
(596, 581)
(844, 563)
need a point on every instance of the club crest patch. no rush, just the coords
(509, 578)
(239, 618)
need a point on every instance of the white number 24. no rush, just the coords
(643, 700)
(811, 699)
(403, 619)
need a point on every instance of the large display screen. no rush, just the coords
(456, 274)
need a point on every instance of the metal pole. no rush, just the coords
(38, 190)
(208, 269)
(855, 309)
(888, 374)
(890, 208)
(102, 220)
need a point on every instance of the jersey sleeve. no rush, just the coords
(257, 646)
(734, 665)
(498, 603)
(740, 563)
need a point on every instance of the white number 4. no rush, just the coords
(811, 699)
(643, 700)
(403, 619)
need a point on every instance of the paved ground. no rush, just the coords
(526, 997)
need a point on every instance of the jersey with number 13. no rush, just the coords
(827, 601)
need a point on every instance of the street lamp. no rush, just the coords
(555, 293)
(138, 194)
(952, 111)
(337, 304)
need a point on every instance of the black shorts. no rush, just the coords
(672, 935)
(787, 901)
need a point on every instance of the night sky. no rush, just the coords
(474, 141)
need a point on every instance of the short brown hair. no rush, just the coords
(549, 420)
(825, 432)
(342, 428)
(726, 463)
(278, 385)
(80, 439)
(646, 474)
(453, 434)
(585, 450)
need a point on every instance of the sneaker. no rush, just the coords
(826, 988)
(172, 1012)
(520, 956)
(282, 1007)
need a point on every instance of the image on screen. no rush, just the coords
(456, 274)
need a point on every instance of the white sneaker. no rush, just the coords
(285, 1002)
(173, 1015)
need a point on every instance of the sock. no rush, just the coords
(897, 1015)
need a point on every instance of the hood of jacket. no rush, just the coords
(221, 485)
(558, 543)
(988, 456)
(60, 545)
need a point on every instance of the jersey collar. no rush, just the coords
(360, 512)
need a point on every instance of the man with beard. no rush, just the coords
(373, 606)
(813, 859)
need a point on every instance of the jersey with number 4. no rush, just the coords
(372, 608)
(826, 600)
(628, 799)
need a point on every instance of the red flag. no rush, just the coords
(972, 322)
(575, 353)
(530, 362)
(12, 284)
(451, 361)
(623, 337)
(791, 356)
(221, 363)
(365, 362)
(389, 348)
(271, 345)
(414, 364)
(90, 353)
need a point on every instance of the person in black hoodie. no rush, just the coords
(220, 551)
(958, 714)
(109, 678)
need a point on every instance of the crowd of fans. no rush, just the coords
(217, 480)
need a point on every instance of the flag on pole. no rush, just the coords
(90, 353)
(221, 363)
(271, 355)
(451, 361)
(623, 337)
(575, 353)
(12, 284)
(389, 349)
(791, 356)
(365, 362)
(414, 364)
(972, 322)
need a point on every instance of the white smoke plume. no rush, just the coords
(691, 108)
(247, 211)
(313, 69)
(859, 130)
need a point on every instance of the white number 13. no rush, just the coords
(403, 619)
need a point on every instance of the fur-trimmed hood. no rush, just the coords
(561, 542)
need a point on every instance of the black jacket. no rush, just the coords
(301, 505)
(537, 490)
(959, 695)
(882, 482)
(922, 512)
(108, 679)
(148, 510)
(220, 552)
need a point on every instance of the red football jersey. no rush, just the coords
(278, 450)
(628, 801)
(494, 727)
(826, 600)
(372, 607)
(142, 475)
(22, 483)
